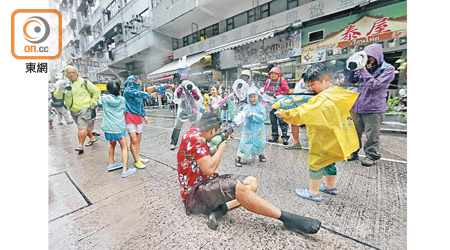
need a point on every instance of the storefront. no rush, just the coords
(282, 51)
(340, 38)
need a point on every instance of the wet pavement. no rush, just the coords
(91, 208)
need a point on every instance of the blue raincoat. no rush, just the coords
(134, 97)
(253, 132)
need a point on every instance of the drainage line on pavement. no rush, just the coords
(173, 168)
(79, 190)
(350, 238)
(76, 210)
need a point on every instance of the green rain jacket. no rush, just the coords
(81, 96)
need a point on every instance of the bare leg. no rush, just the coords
(124, 148)
(90, 128)
(134, 146)
(82, 133)
(314, 185)
(295, 130)
(330, 181)
(250, 183)
(111, 147)
(138, 137)
(254, 203)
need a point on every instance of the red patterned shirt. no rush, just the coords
(192, 148)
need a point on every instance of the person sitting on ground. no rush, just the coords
(253, 132)
(114, 126)
(205, 192)
(80, 96)
(331, 131)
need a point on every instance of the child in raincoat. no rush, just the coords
(331, 131)
(113, 124)
(253, 132)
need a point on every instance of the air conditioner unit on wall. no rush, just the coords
(127, 25)
(137, 18)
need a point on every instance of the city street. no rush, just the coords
(91, 208)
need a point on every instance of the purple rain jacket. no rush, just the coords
(373, 87)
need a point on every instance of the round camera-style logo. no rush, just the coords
(36, 34)
(36, 29)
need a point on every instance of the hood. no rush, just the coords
(343, 99)
(375, 51)
(275, 70)
(253, 90)
(132, 83)
(112, 100)
(247, 73)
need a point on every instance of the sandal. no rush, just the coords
(304, 193)
(90, 143)
(262, 158)
(80, 150)
(237, 162)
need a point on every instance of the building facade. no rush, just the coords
(111, 39)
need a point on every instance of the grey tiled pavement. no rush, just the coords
(90, 208)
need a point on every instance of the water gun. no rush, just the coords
(221, 102)
(287, 102)
(160, 89)
(224, 135)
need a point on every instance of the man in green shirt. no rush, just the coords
(80, 96)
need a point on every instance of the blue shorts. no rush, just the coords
(114, 137)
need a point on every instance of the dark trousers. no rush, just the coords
(177, 129)
(369, 124)
(275, 121)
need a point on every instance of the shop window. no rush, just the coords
(264, 10)
(315, 36)
(292, 4)
(277, 6)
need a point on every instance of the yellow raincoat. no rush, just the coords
(206, 101)
(331, 131)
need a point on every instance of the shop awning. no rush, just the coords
(243, 41)
(172, 67)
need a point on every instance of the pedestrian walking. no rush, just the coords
(114, 127)
(80, 96)
(61, 111)
(134, 115)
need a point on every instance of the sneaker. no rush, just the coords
(368, 162)
(293, 146)
(129, 172)
(144, 160)
(172, 147)
(285, 141)
(304, 193)
(139, 165)
(332, 191)
(60, 123)
(273, 140)
(114, 166)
